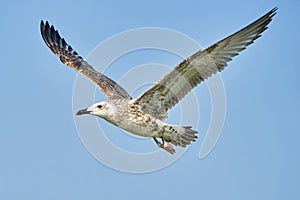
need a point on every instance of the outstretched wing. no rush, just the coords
(189, 73)
(71, 58)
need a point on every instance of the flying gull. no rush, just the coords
(145, 115)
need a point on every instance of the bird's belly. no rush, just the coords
(139, 128)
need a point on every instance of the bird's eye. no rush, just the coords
(99, 106)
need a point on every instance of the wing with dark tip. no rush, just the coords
(167, 92)
(71, 58)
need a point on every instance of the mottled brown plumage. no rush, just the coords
(167, 92)
(71, 58)
(145, 115)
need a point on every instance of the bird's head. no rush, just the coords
(100, 109)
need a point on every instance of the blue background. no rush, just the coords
(257, 156)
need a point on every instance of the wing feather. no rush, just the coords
(71, 58)
(167, 92)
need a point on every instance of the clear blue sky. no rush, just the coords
(257, 156)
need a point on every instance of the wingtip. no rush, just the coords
(49, 34)
(45, 25)
(42, 25)
(273, 11)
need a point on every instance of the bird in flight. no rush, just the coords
(145, 115)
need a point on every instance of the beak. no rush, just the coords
(83, 112)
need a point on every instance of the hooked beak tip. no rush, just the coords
(83, 112)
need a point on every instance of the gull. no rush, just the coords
(145, 115)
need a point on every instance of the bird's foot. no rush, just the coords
(164, 145)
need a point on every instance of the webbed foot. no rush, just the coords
(164, 145)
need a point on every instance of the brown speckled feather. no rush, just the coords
(189, 73)
(71, 58)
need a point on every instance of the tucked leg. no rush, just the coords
(164, 145)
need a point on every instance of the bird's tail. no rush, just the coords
(179, 135)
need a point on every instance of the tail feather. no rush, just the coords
(179, 135)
